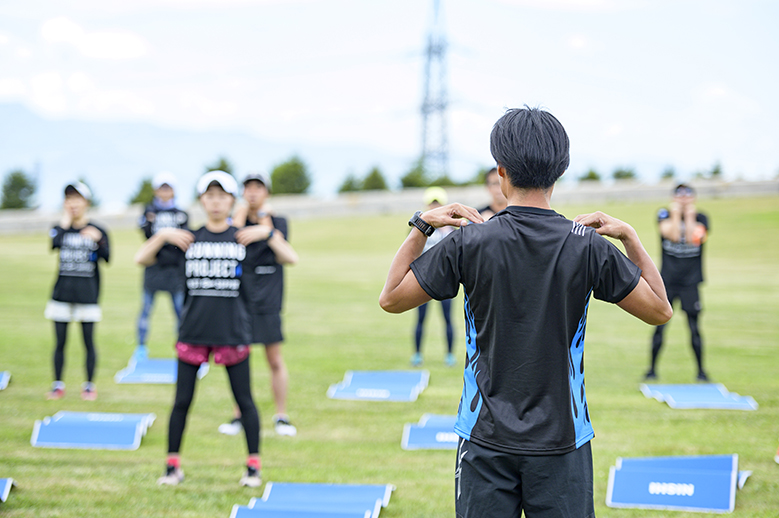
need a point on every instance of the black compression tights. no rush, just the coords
(240, 383)
(88, 331)
(695, 341)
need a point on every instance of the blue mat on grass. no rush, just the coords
(240, 511)
(301, 500)
(380, 385)
(5, 379)
(702, 483)
(706, 395)
(153, 370)
(433, 432)
(5, 487)
(91, 430)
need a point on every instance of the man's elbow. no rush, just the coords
(662, 316)
(389, 305)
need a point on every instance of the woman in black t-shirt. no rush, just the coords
(214, 319)
(81, 245)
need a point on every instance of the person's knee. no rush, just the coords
(274, 357)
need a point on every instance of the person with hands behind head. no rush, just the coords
(528, 274)
(215, 319)
(81, 245)
(267, 252)
(683, 231)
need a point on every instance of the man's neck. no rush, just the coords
(217, 227)
(538, 198)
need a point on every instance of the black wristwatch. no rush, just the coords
(423, 226)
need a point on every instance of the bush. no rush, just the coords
(290, 177)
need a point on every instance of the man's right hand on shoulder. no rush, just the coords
(454, 214)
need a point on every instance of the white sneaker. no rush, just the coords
(283, 427)
(234, 427)
(172, 477)
(251, 478)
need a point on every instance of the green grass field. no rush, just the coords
(333, 323)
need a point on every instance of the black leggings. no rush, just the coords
(446, 306)
(695, 341)
(240, 383)
(88, 331)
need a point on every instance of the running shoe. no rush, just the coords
(234, 427)
(173, 476)
(450, 360)
(251, 478)
(88, 391)
(283, 427)
(702, 377)
(57, 391)
(416, 360)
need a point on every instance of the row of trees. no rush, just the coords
(292, 177)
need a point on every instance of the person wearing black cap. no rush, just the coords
(81, 245)
(267, 252)
(214, 320)
(167, 273)
(683, 231)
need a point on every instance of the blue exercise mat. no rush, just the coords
(152, 371)
(90, 430)
(5, 379)
(380, 385)
(5, 487)
(284, 492)
(706, 395)
(367, 510)
(433, 432)
(700, 484)
(240, 511)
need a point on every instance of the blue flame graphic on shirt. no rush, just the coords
(471, 400)
(581, 415)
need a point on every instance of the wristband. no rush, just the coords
(421, 225)
(270, 234)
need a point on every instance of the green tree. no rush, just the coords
(624, 173)
(221, 164)
(290, 177)
(590, 176)
(374, 181)
(716, 172)
(145, 193)
(350, 184)
(668, 173)
(416, 177)
(443, 181)
(480, 177)
(18, 190)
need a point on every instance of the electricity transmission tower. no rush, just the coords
(435, 149)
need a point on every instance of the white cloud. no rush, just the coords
(47, 92)
(207, 106)
(576, 5)
(109, 44)
(4, 38)
(12, 87)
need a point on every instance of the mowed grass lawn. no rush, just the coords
(333, 323)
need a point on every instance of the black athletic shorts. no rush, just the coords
(266, 329)
(691, 300)
(493, 483)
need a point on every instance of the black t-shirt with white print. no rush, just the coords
(167, 274)
(263, 275)
(215, 309)
(528, 275)
(682, 263)
(78, 279)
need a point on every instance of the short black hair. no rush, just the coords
(532, 146)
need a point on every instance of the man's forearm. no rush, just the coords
(637, 253)
(411, 248)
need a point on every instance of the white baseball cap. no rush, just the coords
(225, 181)
(81, 188)
(163, 178)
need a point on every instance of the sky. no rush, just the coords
(640, 84)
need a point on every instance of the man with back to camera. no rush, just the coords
(528, 274)
(683, 231)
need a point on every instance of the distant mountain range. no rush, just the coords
(114, 157)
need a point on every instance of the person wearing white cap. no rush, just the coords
(167, 273)
(81, 245)
(215, 318)
(435, 197)
(267, 251)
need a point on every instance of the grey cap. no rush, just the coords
(81, 188)
(260, 177)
